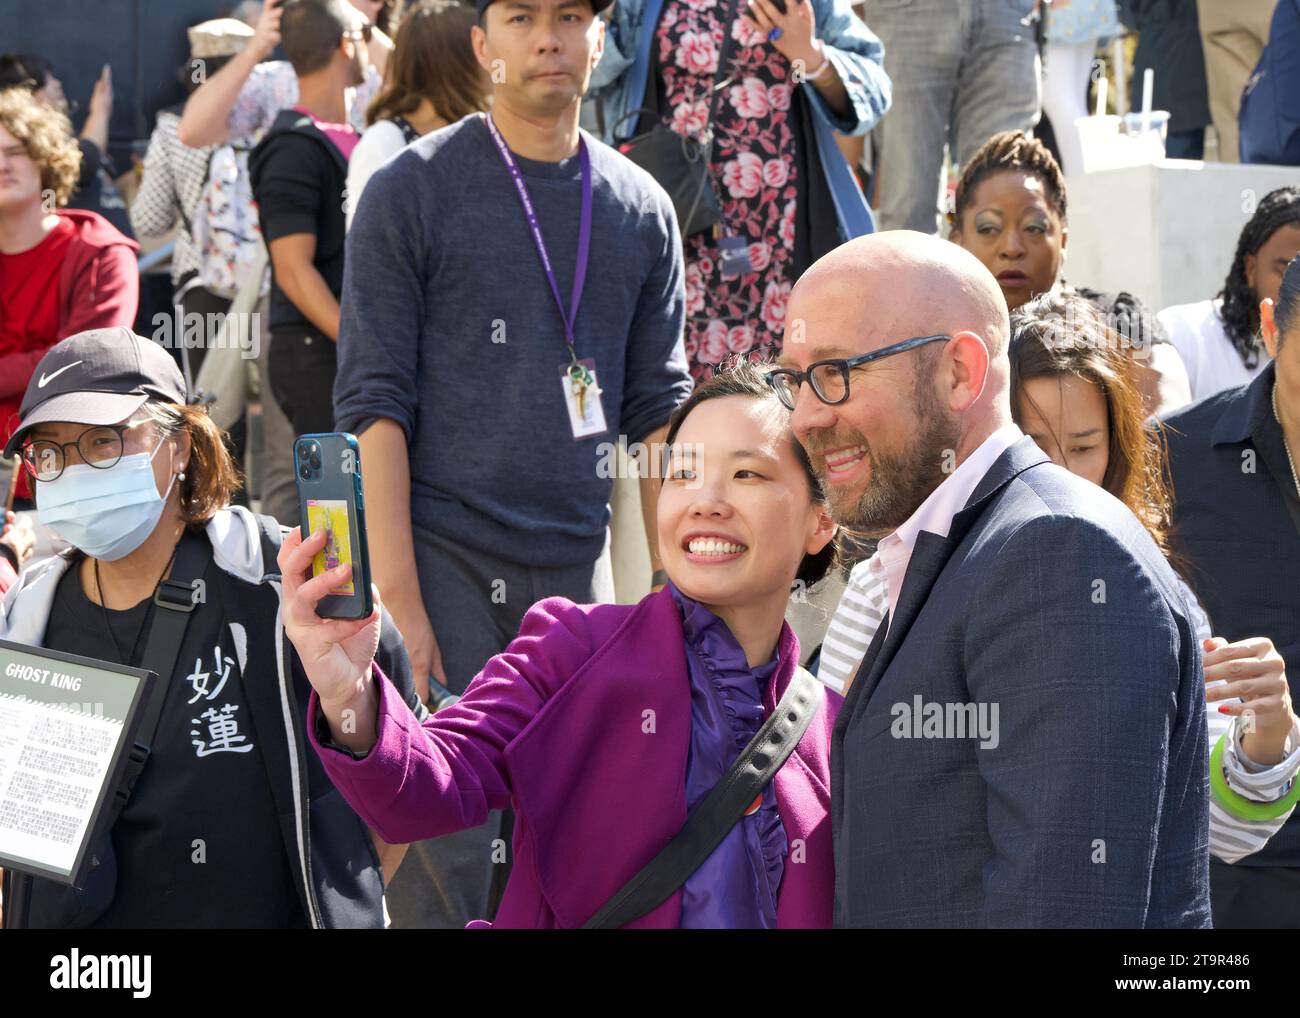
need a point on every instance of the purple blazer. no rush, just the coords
(583, 725)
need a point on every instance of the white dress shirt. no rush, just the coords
(946, 501)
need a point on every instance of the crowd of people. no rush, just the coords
(810, 257)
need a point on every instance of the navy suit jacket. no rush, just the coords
(1049, 601)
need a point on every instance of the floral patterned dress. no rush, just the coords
(753, 172)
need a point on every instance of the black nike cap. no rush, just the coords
(102, 376)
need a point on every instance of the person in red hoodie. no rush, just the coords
(62, 271)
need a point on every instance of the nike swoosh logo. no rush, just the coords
(46, 379)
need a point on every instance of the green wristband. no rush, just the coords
(1238, 805)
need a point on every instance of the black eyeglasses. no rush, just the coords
(99, 447)
(830, 379)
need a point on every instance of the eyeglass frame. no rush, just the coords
(121, 430)
(845, 364)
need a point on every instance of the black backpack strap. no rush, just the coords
(725, 804)
(272, 533)
(174, 603)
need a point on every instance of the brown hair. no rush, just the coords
(740, 377)
(432, 59)
(46, 134)
(1011, 151)
(1063, 334)
(211, 477)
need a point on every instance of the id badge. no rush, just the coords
(582, 397)
(733, 255)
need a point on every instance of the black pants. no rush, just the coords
(302, 367)
(1254, 897)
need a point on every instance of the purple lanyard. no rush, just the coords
(584, 230)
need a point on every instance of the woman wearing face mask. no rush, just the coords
(139, 481)
(605, 725)
(1009, 211)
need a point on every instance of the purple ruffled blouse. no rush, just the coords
(736, 887)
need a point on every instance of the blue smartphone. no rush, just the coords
(327, 470)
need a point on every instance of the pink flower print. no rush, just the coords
(694, 290)
(740, 339)
(775, 298)
(746, 32)
(749, 98)
(760, 256)
(743, 177)
(778, 97)
(775, 173)
(713, 344)
(689, 119)
(787, 225)
(697, 53)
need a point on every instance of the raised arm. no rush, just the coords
(206, 120)
(409, 781)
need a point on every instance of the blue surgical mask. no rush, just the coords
(105, 513)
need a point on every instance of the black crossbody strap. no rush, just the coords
(725, 804)
(174, 603)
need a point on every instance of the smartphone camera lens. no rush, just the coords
(305, 472)
(314, 458)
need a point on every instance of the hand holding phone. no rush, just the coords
(327, 471)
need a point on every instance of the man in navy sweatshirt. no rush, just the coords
(512, 311)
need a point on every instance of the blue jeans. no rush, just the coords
(962, 71)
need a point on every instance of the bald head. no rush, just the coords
(889, 441)
(893, 285)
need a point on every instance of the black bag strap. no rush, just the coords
(174, 602)
(725, 804)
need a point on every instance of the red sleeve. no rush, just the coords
(112, 296)
(16, 371)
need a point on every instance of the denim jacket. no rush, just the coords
(619, 80)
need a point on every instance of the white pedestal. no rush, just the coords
(1165, 232)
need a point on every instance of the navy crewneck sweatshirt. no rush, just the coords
(450, 329)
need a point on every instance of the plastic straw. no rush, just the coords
(1103, 83)
(1148, 93)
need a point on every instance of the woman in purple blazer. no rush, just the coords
(604, 725)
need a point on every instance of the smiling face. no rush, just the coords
(547, 50)
(1068, 418)
(1010, 226)
(736, 513)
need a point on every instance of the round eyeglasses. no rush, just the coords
(100, 447)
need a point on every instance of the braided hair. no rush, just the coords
(1017, 151)
(1240, 311)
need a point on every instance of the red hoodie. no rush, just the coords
(99, 286)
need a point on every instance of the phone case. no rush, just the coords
(327, 471)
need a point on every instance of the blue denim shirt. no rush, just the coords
(854, 51)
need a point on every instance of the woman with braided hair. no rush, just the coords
(1219, 339)
(1009, 211)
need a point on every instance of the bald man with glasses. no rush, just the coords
(1024, 742)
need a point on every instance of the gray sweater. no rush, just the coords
(449, 328)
